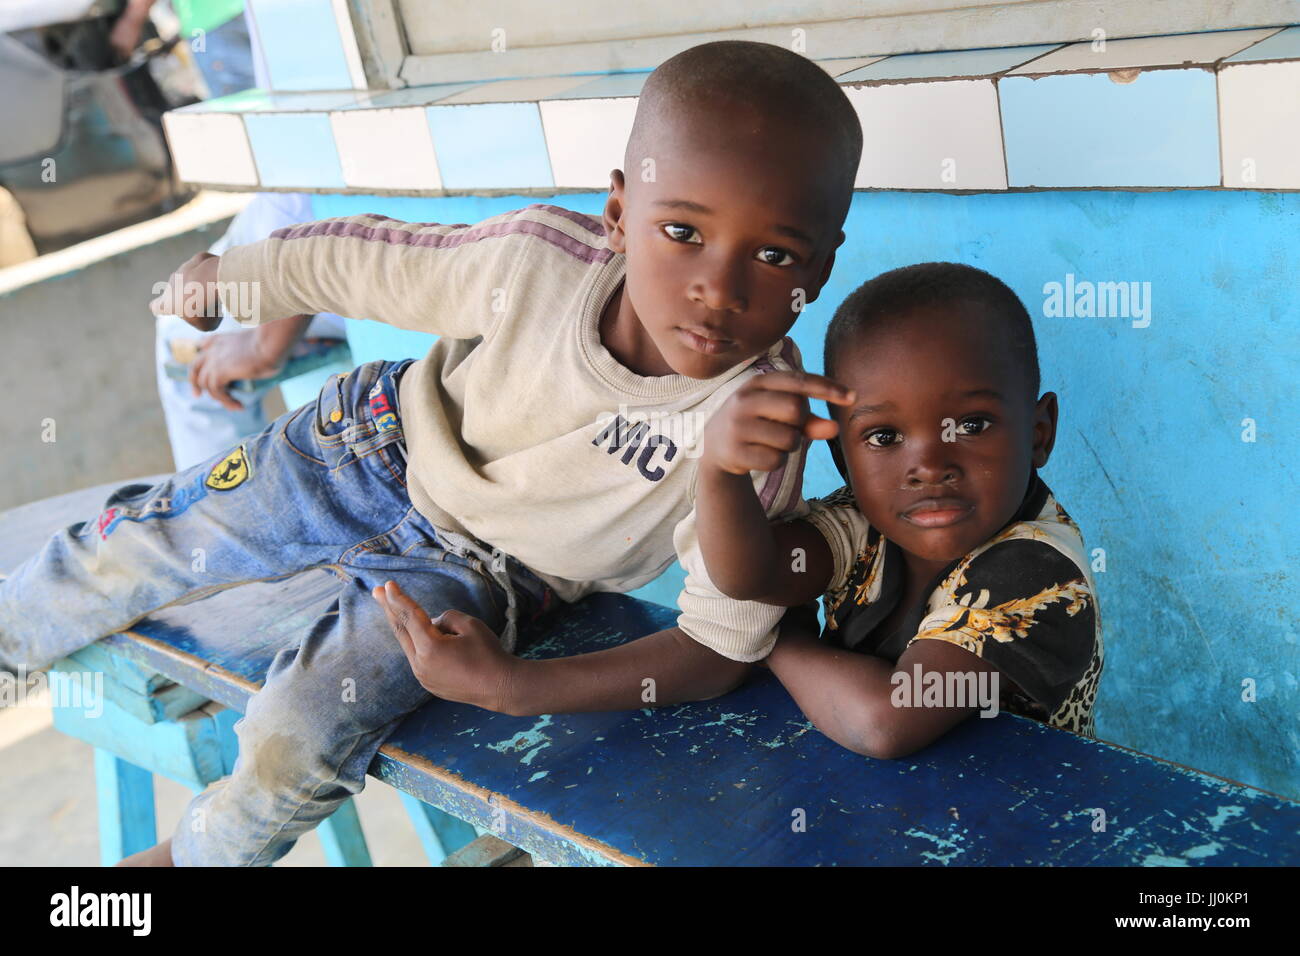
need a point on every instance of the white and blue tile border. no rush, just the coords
(1195, 111)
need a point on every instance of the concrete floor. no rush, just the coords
(48, 815)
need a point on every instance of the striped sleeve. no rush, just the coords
(452, 280)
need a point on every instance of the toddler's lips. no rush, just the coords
(702, 343)
(938, 512)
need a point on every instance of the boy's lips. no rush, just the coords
(938, 512)
(707, 344)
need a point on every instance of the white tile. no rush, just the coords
(269, 101)
(386, 149)
(1146, 51)
(942, 136)
(586, 139)
(210, 148)
(517, 91)
(1259, 122)
(847, 65)
(348, 37)
(948, 64)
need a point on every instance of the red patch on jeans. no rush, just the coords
(105, 520)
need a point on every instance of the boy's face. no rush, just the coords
(727, 227)
(942, 434)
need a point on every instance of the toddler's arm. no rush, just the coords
(748, 559)
(850, 697)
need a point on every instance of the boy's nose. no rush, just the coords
(720, 287)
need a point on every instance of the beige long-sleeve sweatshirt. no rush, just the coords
(522, 430)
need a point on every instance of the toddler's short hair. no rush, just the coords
(894, 294)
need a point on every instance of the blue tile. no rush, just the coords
(265, 101)
(603, 87)
(294, 150)
(490, 145)
(1280, 46)
(412, 96)
(301, 44)
(241, 102)
(920, 66)
(1088, 130)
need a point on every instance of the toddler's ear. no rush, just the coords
(837, 454)
(1045, 416)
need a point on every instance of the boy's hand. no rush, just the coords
(191, 293)
(455, 657)
(766, 419)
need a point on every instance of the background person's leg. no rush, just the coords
(226, 58)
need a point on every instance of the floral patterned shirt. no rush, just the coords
(1024, 601)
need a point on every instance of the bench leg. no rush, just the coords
(489, 850)
(126, 810)
(345, 844)
(440, 833)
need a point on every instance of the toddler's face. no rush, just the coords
(726, 230)
(940, 441)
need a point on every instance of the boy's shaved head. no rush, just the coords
(739, 175)
(740, 80)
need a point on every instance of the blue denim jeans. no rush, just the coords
(226, 60)
(322, 486)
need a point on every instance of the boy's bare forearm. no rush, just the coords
(657, 670)
(736, 539)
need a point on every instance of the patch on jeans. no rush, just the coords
(106, 522)
(231, 472)
(382, 411)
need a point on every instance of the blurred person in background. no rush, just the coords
(212, 384)
(218, 35)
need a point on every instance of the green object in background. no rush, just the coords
(205, 14)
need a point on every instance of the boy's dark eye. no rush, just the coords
(882, 437)
(974, 425)
(775, 256)
(680, 232)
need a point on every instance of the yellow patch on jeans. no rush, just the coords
(230, 472)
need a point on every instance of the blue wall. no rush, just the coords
(1199, 591)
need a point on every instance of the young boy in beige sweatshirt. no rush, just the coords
(545, 447)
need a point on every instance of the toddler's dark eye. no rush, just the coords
(883, 437)
(680, 232)
(973, 426)
(775, 256)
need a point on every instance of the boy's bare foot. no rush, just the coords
(160, 855)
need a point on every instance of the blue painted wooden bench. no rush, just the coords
(743, 779)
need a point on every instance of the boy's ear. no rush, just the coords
(1045, 416)
(613, 212)
(826, 270)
